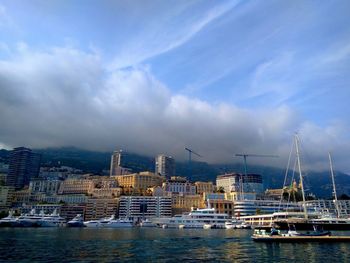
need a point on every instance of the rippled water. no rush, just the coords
(156, 245)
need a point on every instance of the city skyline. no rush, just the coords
(220, 77)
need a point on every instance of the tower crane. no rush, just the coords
(245, 155)
(190, 152)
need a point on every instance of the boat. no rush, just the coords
(147, 223)
(195, 219)
(31, 219)
(9, 221)
(118, 223)
(325, 220)
(110, 222)
(92, 223)
(261, 235)
(52, 220)
(207, 226)
(229, 225)
(77, 221)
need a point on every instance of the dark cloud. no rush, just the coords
(65, 97)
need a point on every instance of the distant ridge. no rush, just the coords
(318, 183)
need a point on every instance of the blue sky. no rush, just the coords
(155, 76)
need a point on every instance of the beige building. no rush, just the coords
(97, 208)
(204, 187)
(222, 206)
(185, 203)
(139, 182)
(76, 186)
(6, 196)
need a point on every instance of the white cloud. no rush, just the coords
(64, 96)
(164, 36)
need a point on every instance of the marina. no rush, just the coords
(157, 245)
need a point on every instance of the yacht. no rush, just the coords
(9, 221)
(195, 219)
(52, 220)
(31, 219)
(110, 222)
(77, 221)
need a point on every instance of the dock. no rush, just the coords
(291, 239)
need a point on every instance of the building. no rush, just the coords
(116, 165)
(139, 182)
(76, 186)
(97, 208)
(179, 185)
(69, 211)
(328, 206)
(165, 166)
(6, 196)
(48, 187)
(234, 182)
(185, 203)
(23, 166)
(204, 187)
(222, 206)
(256, 207)
(141, 207)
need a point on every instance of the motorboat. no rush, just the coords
(77, 221)
(31, 219)
(119, 223)
(9, 221)
(52, 220)
(110, 222)
(147, 223)
(207, 226)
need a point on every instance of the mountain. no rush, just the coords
(318, 183)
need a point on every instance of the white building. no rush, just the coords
(140, 207)
(179, 185)
(165, 166)
(232, 182)
(44, 186)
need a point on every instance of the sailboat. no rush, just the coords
(325, 221)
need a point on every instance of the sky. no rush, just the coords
(150, 77)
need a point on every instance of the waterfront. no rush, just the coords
(155, 245)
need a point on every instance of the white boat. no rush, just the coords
(52, 220)
(229, 225)
(9, 221)
(77, 221)
(207, 226)
(195, 219)
(92, 223)
(110, 222)
(119, 223)
(31, 219)
(147, 223)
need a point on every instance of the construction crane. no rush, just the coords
(190, 152)
(244, 155)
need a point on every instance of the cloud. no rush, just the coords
(63, 96)
(176, 29)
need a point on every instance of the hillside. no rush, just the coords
(318, 183)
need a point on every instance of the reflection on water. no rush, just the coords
(156, 245)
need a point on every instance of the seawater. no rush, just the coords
(156, 245)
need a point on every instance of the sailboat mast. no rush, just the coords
(333, 182)
(300, 174)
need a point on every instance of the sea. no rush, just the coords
(156, 245)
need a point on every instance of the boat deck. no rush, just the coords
(301, 238)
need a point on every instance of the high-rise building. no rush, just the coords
(116, 164)
(165, 166)
(23, 165)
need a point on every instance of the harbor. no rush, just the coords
(156, 245)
